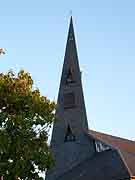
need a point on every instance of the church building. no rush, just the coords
(80, 153)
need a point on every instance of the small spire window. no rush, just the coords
(69, 135)
(71, 37)
(69, 77)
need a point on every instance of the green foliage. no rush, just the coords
(25, 118)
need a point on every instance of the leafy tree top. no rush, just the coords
(25, 119)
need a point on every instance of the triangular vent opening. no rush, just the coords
(69, 135)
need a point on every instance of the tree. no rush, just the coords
(2, 51)
(25, 118)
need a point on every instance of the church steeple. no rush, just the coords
(70, 106)
(70, 144)
(76, 154)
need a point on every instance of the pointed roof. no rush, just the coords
(70, 105)
(71, 35)
(68, 137)
(71, 29)
(71, 57)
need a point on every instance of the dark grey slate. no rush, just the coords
(106, 165)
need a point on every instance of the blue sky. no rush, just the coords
(35, 32)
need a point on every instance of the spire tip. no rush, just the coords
(70, 12)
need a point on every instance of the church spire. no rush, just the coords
(69, 142)
(71, 58)
(70, 106)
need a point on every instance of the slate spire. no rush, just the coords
(70, 144)
(70, 106)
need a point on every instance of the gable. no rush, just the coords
(125, 146)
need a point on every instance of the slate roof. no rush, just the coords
(106, 165)
(126, 148)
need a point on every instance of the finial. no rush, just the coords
(70, 13)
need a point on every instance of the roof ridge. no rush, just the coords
(118, 137)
